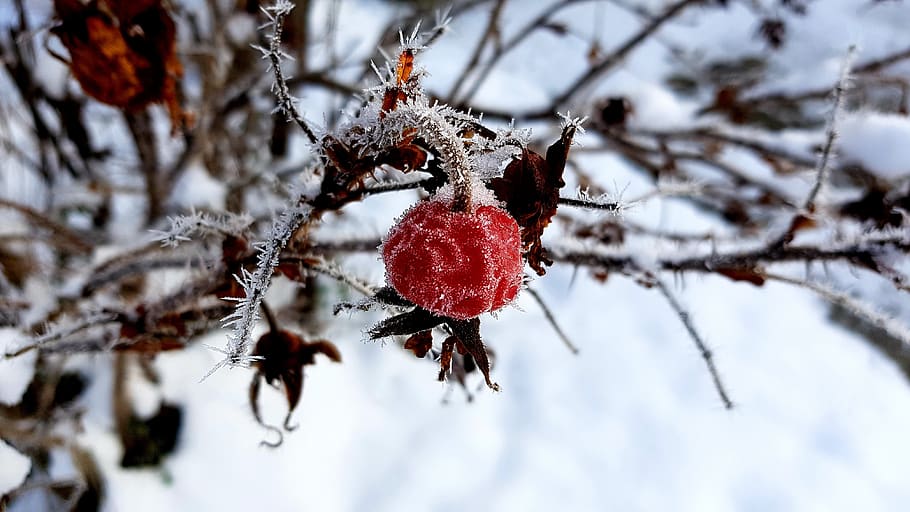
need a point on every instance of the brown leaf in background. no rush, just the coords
(122, 52)
(749, 275)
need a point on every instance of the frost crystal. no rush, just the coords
(244, 318)
(183, 228)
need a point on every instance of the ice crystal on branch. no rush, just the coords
(255, 284)
(185, 227)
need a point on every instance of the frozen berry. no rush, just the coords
(453, 263)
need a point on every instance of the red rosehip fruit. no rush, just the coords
(455, 264)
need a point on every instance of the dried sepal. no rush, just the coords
(468, 334)
(418, 323)
(410, 322)
(420, 343)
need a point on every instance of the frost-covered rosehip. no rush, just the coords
(458, 264)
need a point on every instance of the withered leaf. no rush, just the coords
(530, 189)
(122, 52)
(403, 70)
(282, 356)
(404, 67)
(445, 357)
(801, 222)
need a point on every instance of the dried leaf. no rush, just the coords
(404, 68)
(801, 222)
(123, 52)
(530, 189)
(283, 355)
(749, 275)
(445, 357)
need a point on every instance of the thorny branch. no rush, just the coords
(703, 349)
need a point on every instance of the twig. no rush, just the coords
(617, 56)
(276, 15)
(72, 239)
(489, 33)
(244, 317)
(822, 168)
(330, 269)
(552, 319)
(699, 342)
(888, 325)
(614, 207)
(520, 36)
(140, 127)
(60, 332)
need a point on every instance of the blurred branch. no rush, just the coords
(703, 349)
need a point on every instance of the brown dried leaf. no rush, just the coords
(530, 189)
(404, 68)
(445, 358)
(749, 275)
(801, 222)
(283, 355)
(123, 52)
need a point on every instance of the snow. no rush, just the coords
(14, 467)
(878, 142)
(15, 374)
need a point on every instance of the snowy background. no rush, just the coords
(630, 423)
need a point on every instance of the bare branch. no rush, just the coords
(706, 353)
(548, 314)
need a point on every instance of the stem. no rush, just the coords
(461, 185)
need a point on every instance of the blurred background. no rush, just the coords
(739, 197)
